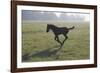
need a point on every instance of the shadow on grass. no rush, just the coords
(50, 52)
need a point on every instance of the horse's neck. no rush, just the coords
(53, 27)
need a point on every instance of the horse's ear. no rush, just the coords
(47, 24)
(47, 28)
(73, 26)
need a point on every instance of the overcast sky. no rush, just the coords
(53, 16)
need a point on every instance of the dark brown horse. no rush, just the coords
(58, 31)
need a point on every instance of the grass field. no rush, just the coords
(38, 45)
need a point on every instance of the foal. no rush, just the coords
(58, 31)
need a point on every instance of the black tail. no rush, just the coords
(71, 28)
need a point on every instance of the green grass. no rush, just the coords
(38, 45)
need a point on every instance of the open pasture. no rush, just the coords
(38, 45)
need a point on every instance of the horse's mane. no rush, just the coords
(52, 25)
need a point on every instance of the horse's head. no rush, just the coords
(47, 30)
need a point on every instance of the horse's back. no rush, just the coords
(62, 30)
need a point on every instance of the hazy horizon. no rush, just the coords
(32, 15)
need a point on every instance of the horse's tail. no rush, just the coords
(71, 28)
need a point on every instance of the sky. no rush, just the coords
(53, 16)
(86, 16)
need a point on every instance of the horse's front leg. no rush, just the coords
(66, 37)
(57, 39)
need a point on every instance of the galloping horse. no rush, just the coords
(58, 31)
